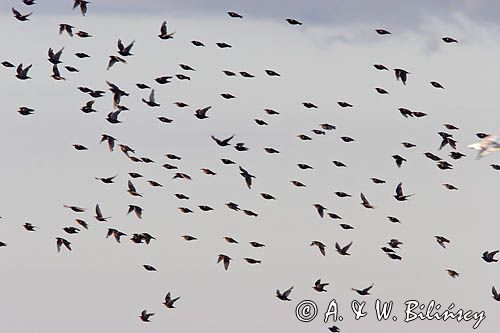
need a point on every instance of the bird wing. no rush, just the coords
(120, 45)
(152, 96)
(163, 29)
(287, 292)
(399, 189)
(363, 198)
(15, 12)
(98, 210)
(494, 291)
(131, 186)
(346, 248)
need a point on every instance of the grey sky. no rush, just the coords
(101, 285)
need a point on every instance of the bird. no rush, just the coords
(399, 193)
(30, 227)
(98, 214)
(339, 164)
(383, 32)
(124, 50)
(456, 155)
(363, 292)
(83, 34)
(82, 4)
(79, 147)
(19, 16)
(309, 105)
(197, 43)
(401, 74)
(381, 91)
(394, 256)
(246, 74)
(452, 273)
(169, 301)
(248, 177)
(225, 259)
(490, 256)
(365, 202)
(227, 96)
(145, 316)
(293, 21)
(149, 268)
(320, 209)
(82, 55)
(442, 241)
(151, 102)
(202, 113)
(136, 209)
(252, 261)
(487, 145)
(63, 27)
(163, 32)
(393, 219)
(284, 296)
(60, 242)
(256, 244)
(344, 105)
(342, 194)
(54, 58)
(22, 73)
(56, 75)
(113, 60)
(334, 329)
(449, 40)
(163, 79)
(107, 180)
(8, 64)
(271, 72)
(223, 142)
(408, 144)
(495, 166)
(394, 243)
(496, 295)
(450, 186)
(399, 160)
(320, 245)
(319, 287)
(76, 209)
(343, 250)
(26, 111)
(112, 117)
(436, 85)
(381, 67)
(377, 180)
(189, 237)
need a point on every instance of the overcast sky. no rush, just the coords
(101, 285)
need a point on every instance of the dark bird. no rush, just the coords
(256, 244)
(394, 256)
(142, 86)
(334, 329)
(223, 45)
(182, 77)
(399, 160)
(401, 74)
(135, 175)
(202, 113)
(8, 64)
(405, 112)
(304, 166)
(87, 108)
(197, 43)
(450, 126)
(229, 73)
(107, 180)
(82, 4)
(163, 79)
(163, 32)
(271, 112)
(145, 316)
(347, 139)
(76, 209)
(267, 196)
(365, 202)
(60, 242)
(208, 172)
(382, 32)
(136, 209)
(304, 137)
(260, 122)
(344, 105)
(432, 157)
(449, 40)
(110, 140)
(442, 241)
(240, 146)
(320, 209)
(83, 34)
(380, 67)
(189, 238)
(227, 96)
(450, 186)
(394, 243)
(63, 27)
(22, 73)
(151, 102)
(284, 296)
(71, 69)
(377, 180)
(234, 15)
(165, 120)
(181, 175)
(98, 214)
(381, 91)
(132, 190)
(319, 287)
(181, 196)
(271, 72)
(125, 50)
(252, 261)
(309, 105)
(112, 117)
(321, 247)
(233, 206)
(343, 250)
(363, 292)
(393, 219)
(82, 55)
(29, 2)
(436, 85)
(443, 165)
(297, 183)
(25, 111)
(408, 144)
(230, 240)
(248, 177)
(293, 21)
(339, 164)
(456, 155)
(452, 273)
(56, 75)
(205, 208)
(30, 227)
(495, 296)
(319, 132)
(54, 58)
(169, 301)
(246, 74)
(342, 194)
(223, 142)
(346, 226)
(82, 223)
(495, 166)
(489, 256)
(387, 250)
(19, 16)
(149, 268)
(271, 150)
(399, 193)
(113, 60)
(225, 259)
(79, 147)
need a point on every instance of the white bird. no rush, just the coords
(487, 145)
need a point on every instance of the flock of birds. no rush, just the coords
(488, 143)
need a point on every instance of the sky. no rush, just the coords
(101, 284)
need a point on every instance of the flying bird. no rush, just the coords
(169, 301)
(60, 242)
(82, 4)
(343, 250)
(399, 193)
(19, 16)
(284, 296)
